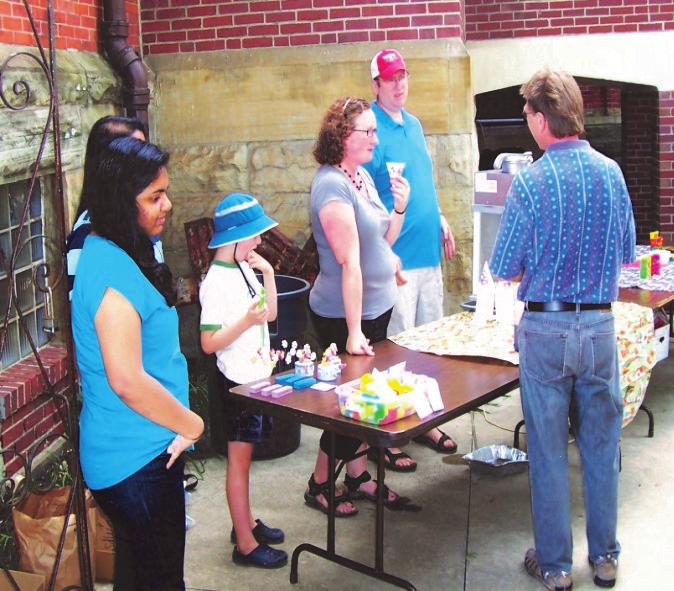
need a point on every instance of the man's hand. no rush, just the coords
(448, 244)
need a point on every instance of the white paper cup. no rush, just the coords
(395, 169)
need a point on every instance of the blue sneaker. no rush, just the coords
(263, 534)
(262, 557)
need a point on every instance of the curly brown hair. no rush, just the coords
(337, 125)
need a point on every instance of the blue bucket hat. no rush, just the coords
(238, 217)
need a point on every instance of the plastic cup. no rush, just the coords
(395, 169)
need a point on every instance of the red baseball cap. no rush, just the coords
(386, 63)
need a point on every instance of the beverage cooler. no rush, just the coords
(489, 193)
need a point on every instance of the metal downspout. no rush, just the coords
(125, 61)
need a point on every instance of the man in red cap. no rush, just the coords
(425, 233)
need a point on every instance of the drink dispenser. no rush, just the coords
(489, 193)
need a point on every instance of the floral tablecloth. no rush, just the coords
(458, 335)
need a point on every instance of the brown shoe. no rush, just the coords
(605, 570)
(559, 581)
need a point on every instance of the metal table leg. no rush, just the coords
(329, 554)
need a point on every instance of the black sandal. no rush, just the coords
(399, 503)
(391, 460)
(438, 445)
(315, 489)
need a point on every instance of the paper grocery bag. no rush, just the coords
(38, 522)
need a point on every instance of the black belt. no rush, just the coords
(563, 306)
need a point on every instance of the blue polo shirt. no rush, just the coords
(115, 440)
(418, 244)
(568, 225)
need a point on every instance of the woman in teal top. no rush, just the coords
(135, 420)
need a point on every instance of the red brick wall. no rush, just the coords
(492, 19)
(76, 23)
(171, 26)
(600, 99)
(639, 161)
(666, 163)
(30, 412)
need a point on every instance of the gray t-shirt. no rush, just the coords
(377, 261)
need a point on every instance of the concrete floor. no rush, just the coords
(473, 530)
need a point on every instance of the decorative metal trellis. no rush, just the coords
(16, 96)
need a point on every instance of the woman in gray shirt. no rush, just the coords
(355, 290)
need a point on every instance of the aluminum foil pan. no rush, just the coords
(499, 460)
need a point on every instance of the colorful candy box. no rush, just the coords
(367, 407)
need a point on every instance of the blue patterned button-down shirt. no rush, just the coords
(567, 226)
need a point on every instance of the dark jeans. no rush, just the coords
(147, 512)
(335, 330)
(241, 424)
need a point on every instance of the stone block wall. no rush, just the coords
(247, 121)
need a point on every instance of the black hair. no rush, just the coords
(126, 167)
(102, 133)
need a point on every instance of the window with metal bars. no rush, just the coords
(28, 272)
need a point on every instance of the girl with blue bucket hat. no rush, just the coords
(235, 308)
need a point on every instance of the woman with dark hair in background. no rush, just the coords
(354, 293)
(102, 133)
(135, 421)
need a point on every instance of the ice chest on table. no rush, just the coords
(359, 406)
(661, 343)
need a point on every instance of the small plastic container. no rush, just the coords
(327, 372)
(304, 368)
(361, 406)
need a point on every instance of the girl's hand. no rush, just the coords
(400, 189)
(357, 344)
(256, 315)
(255, 261)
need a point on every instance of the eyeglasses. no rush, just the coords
(368, 132)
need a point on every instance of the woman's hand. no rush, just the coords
(181, 442)
(178, 446)
(257, 315)
(357, 344)
(255, 261)
(400, 276)
(400, 189)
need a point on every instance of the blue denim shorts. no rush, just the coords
(241, 424)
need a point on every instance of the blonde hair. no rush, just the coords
(556, 94)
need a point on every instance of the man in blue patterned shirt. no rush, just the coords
(566, 229)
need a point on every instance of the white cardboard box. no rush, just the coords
(662, 343)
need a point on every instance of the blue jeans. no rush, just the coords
(569, 372)
(147, 513)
